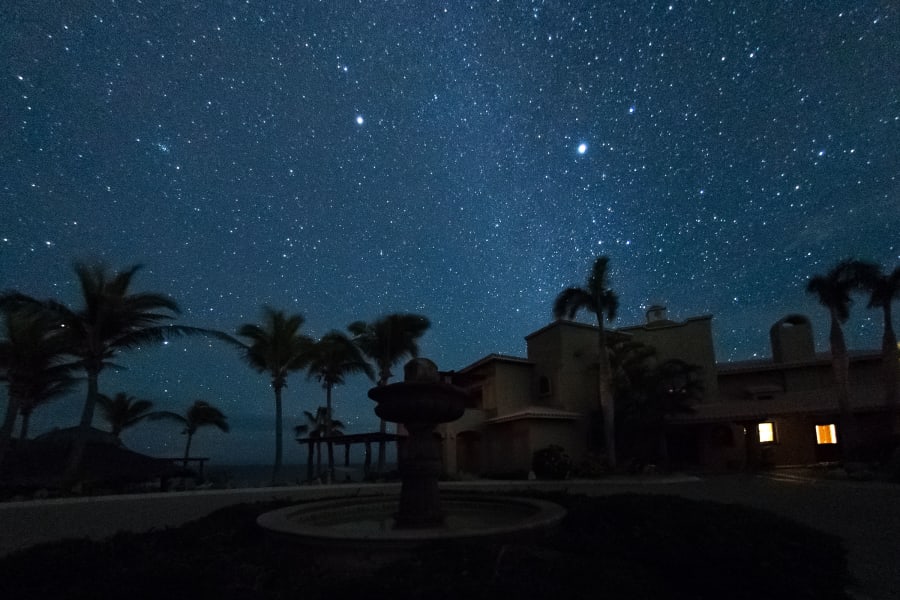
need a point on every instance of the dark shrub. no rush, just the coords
(591, 466)
(551, 462)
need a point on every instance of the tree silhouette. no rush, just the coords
(32, 363)
(596, 297)
(199, 414)
(123, 411)
(884, 288)
(833, 290)
(647, 391)
(387, 341)
(111, 320)
(277, 348)
(319, 426)
(331, 359)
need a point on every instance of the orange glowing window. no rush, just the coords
(766, 433)
(826, 434)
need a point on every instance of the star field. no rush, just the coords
(465, 161)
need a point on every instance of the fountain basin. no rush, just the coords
(361, 531)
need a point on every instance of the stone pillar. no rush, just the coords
(420, 467)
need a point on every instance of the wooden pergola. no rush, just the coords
(347, 440)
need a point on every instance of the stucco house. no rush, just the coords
(781, 410)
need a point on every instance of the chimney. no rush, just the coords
(656, 313)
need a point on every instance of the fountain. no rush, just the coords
(372, 531)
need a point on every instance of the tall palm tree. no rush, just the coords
(833, 290)
(123, 411)
(388, 341)
(112, 320)
(276, 347)
(199, 414)
(32, 363)
(331, 359)
(597, 298)
(884, 288)
(318, 427)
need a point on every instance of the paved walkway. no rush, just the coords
(865, 515)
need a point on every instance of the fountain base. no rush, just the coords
(361, 531)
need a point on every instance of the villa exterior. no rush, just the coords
(777, 411)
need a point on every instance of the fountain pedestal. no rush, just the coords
(419, 403)
(420, 467)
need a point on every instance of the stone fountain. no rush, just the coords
(420, 403)
(376, 529)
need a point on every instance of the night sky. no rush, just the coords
(462, 160)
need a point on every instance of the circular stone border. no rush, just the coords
(311, 524)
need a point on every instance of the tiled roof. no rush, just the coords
(824, 401)
(537, 412)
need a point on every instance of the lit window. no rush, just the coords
(826, 434)
(766, 433)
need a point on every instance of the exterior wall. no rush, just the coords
(510, 446)
(802, 383)
(504, 387)
(507, 448)
(741, 387)
(514, 386)
(564, 352)
(795, 440)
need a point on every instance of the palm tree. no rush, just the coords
(331, 359)
(123, 411)
(319, 426)
(833, 290)
(199, 414)
(388, 340)
(596, 297)
(32, 355)
(276, 347)
(111, 321)
(884, 288)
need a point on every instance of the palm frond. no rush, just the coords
(570, 301)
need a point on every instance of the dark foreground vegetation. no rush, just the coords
(626, 546)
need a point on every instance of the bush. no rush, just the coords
(551, 462)
(591, 466)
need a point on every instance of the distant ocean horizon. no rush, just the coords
(257, 475)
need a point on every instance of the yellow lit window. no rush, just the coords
(766, 432)
(826, 434)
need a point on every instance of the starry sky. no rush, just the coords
(462, 160)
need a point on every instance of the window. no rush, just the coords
(826, 434)
(766, 433)
(544, 385)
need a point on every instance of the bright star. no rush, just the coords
(582, 148)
